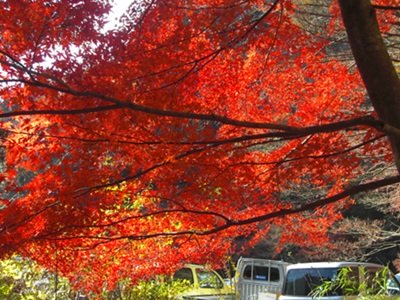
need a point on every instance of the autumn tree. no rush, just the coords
(134, 150)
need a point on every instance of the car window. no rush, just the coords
(208, 279)
(262, 273)
(393, 285)
(274, 274)
(184, 274)
(301, 282)
(372, 279)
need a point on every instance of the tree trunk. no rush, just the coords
(375, 66)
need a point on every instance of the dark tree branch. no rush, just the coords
(234, 223)
(163, 213)
(307, 131)
(118, 103)
(60, 112)
(287, 159)
(26, 219)
(386, 7)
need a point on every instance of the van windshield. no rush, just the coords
(301, 282)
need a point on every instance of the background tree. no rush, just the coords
(132, 151)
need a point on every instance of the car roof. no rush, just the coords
(197, 266)
(261, 260)
(330, 264)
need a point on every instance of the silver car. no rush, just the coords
(303, 279)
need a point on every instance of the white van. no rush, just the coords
(259, 279)
(301, 279)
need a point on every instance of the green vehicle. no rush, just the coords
(206, 284)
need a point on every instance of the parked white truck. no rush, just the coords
(259, 279)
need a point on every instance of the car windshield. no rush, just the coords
(184, 274)
(394, 283)
(301, 282)
(208, 279)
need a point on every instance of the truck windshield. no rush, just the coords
(301, 282)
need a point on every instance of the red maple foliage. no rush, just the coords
(132, 151)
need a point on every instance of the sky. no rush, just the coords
(120, 6)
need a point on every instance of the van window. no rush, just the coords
(301, 282)
(261, 273)
(184, 274)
